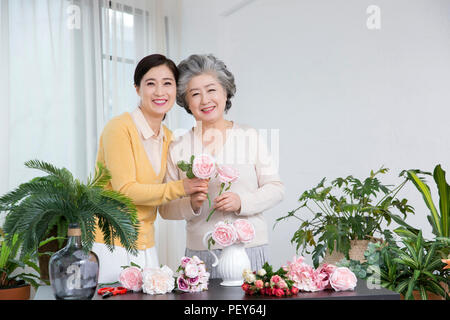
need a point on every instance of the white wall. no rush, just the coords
(345, 98)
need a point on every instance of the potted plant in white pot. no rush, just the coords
(34, 207)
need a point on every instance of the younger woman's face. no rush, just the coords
(206, 98)
(157, 91)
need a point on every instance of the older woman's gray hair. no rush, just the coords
(199, 64)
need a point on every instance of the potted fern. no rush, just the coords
(58, 199)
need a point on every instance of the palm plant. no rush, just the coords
(58, 199)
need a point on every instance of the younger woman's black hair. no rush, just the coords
(151, 61)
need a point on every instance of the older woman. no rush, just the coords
(134, 146)
(205, 89)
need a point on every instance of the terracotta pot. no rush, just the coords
(356, 252)
(18, 293)
(431, 295)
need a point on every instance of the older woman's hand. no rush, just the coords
(228, 202)
(195, 185)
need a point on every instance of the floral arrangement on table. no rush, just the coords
(297, 276)
(148, 280)
(193, 275)
(205, 167)
(226, 233)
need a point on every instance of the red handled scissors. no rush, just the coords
(111, 291)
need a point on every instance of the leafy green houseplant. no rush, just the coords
(438, 219)
(15, 279)
(35, 207)
(348, 209)
(416, 266)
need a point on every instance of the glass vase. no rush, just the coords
(73, 272)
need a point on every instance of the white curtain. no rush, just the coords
(54, 89)
(67, 67)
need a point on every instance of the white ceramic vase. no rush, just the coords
(232, 262)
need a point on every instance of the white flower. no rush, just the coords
(261, 272)
(158, 280)
(246, 271)
(250, 278)
(191, 270)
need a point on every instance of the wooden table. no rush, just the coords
(218, 292)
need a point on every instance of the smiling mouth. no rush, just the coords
(208, 109)
(160, 102)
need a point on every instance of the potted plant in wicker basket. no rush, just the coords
(417, 268)
(57, 199)
(346, 216)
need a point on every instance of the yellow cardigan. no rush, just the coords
(122, 152)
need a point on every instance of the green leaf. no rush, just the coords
(444, 205)
(416, 274)
(401, 287)
(425, 191)
(409, 295)
(423, 292)
(436, 288)
(135, 265)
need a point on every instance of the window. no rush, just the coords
(124, 40)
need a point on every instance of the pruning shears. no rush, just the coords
(111, 291)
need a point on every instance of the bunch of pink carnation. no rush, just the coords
(193, 275)
(327, 276)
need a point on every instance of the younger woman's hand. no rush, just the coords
(195, 185)
(228, 202)
(197, 200)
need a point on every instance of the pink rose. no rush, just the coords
(259, 284)
(227, 174)
(182, 284)
(131, 278)
(282, 284)
(184, 261)
(302, 274)
(224, 234)
(279, 292)
(343, 279)
(203, 166)
(197, 260)
(194, 281)
(191, 270)
(323, 274)
(275, 280)
(245, 230)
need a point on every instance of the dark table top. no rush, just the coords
(218, 292)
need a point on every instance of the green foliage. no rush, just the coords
(10, 262)
(416, 265)
(58, 199)
(187, 167)
(348, 209)
(439, 219)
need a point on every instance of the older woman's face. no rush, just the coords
(157, 90)
(206, 98)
